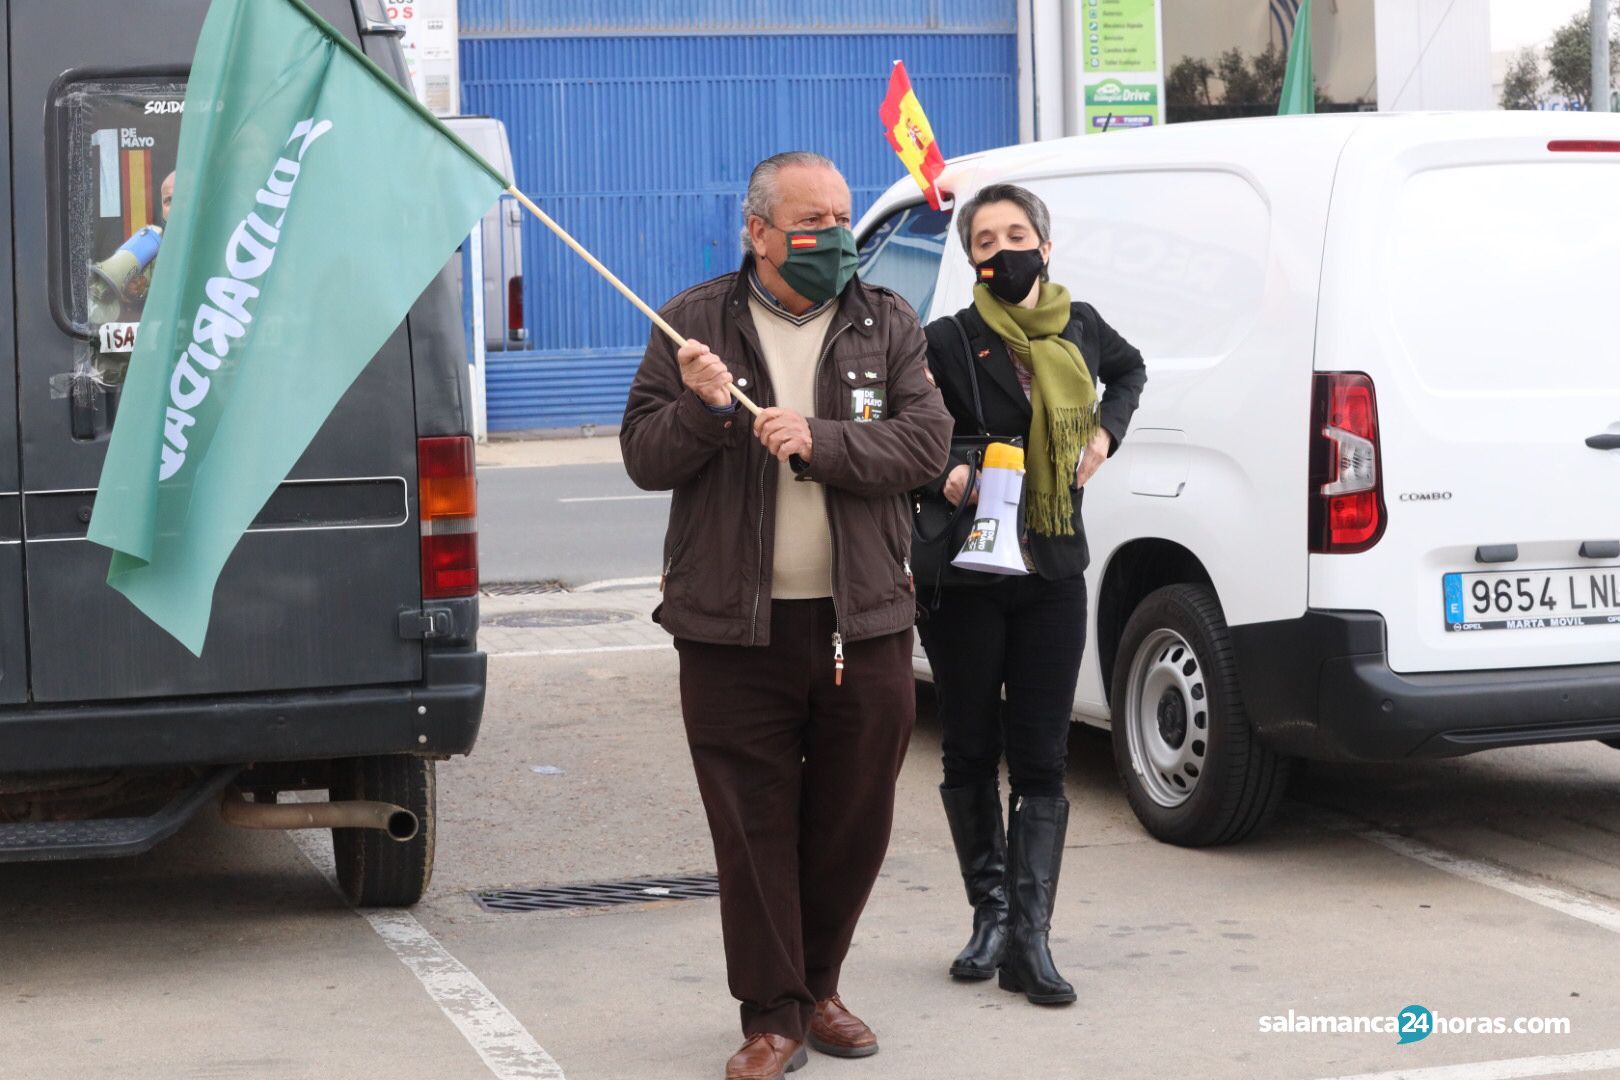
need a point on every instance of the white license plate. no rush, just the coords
(1533, 599)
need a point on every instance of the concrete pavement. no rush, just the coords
(224, 953)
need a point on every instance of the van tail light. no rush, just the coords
(514, 309)
(447, 491)
(1347, 493)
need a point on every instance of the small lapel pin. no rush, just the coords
(983, 353)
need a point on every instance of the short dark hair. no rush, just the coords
(1026, 200)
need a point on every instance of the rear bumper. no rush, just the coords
(1321, 687)
(438, 716)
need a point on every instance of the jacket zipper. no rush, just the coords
(759, 566)
(766, 400)
(832, 548)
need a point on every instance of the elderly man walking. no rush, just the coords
(787, 588)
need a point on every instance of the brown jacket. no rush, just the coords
(718, 550)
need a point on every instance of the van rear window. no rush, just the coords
(1503, 276)
(116, 146)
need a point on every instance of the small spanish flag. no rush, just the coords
(802, 240)
(986, 273)
(907, 129)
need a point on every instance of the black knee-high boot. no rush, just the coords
(974, 814)
(1035, 834)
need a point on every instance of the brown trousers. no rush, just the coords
(797, 776)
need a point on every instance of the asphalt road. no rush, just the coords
(1486, 886)
(569, 523)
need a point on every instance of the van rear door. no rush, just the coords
(13, 626)
(313, 594)
(1471, 273)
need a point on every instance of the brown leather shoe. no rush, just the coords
(765, 1057)
(837, 1031)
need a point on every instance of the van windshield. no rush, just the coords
(903, 254)
(1503, 277)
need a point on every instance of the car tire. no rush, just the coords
(1192, 768)
(373, 869)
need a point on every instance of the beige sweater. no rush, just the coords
(802, 567)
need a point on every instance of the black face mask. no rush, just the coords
(1009, 274)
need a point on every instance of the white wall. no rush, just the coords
(1049, 59)
(1434, 54)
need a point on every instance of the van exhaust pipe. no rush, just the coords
(399, 823)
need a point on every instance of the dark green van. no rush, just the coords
(342, 656)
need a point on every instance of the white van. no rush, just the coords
(502, 238)
(1370, 506)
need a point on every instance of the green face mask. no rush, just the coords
(819, 263)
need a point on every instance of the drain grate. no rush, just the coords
(599, 894)
(521, 588)
(557, 618)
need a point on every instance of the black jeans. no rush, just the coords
(1026, 634)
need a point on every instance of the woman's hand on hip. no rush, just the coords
(956, 484)
(1096, 453)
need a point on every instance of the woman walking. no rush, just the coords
(1037, 358)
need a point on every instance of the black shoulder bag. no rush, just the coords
(939, 529)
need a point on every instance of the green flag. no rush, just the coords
(1299, 84)
(293, 251)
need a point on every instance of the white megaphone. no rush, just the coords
(992, 545)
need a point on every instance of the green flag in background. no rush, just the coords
(316, 200)
(1299, 83)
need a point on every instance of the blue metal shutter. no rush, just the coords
(640, 144)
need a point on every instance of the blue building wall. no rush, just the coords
(640, 145)
(509, 17)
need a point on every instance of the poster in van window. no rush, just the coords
(122, 141)
(1121, 43)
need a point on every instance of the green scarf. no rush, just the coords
(1063, 400)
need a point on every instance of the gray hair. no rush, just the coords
(760, 199)
(1030, 203)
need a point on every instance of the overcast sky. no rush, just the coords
(1517, 23)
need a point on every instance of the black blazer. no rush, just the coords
(1114, 363)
